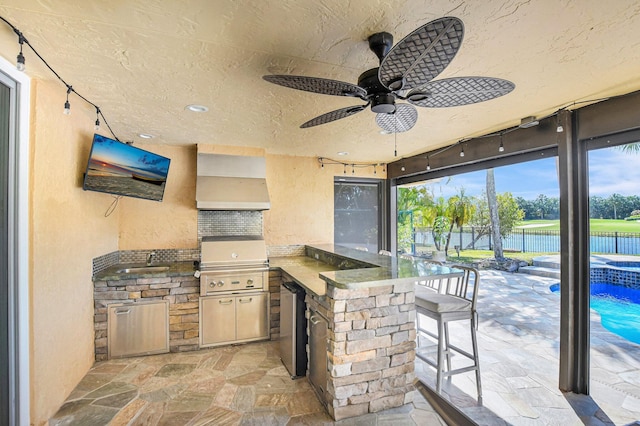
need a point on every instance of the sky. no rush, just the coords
(610, 171)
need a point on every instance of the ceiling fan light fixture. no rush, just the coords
(383, 104)
(527, 122)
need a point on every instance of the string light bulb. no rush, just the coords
(67, 105)
(461, 150)
(559, 128)
(428, 165)
(97, 126)
(501, 148)
(20, 58)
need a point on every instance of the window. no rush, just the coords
(359, 215)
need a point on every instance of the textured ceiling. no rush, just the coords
(143, 61)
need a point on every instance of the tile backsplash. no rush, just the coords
(221, 223)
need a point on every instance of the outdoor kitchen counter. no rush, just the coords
(351, 269)
(176, 269)
(305, 271)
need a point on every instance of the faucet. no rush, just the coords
(150, 257)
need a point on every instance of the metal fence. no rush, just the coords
(532, 240)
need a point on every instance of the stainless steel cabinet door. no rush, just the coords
(218, 319)
(251, 316)
(318, 327)
(138, 329)
(287, 332)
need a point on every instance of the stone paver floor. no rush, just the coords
(519, 345)
(232, 385)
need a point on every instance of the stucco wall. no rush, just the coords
(172, 223)
(301, 201)
(68, 229)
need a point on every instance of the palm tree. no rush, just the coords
(492, 200)
(631, 148)
(460, 210)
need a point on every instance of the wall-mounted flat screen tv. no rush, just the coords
(117, 168)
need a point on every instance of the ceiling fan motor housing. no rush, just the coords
(381, 98)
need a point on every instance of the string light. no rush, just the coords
(559, 128)
(20, 58)
(97, 126)
(67, 105)
(354, 166)
(501, 148)
(428, 165)
(461, 150)
(20, 65)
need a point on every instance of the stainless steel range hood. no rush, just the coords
(231, 182)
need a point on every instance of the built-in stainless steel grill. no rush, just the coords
(233, 264)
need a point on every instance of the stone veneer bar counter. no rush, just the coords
(368, 301)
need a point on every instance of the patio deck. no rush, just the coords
(519, 347)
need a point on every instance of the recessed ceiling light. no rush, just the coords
(197, 108)
(145, 136)
(343, 153)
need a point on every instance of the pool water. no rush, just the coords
(619, 308)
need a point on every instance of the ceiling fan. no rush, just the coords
(405, 74)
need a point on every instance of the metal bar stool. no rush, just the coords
(456, 302)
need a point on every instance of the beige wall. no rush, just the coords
(301, 201)
(68, 229)
(172, 223)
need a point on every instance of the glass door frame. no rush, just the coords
(383, 190)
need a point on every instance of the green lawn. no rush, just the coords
(470, 256)
(596, 225)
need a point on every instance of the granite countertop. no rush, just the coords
(113, 273)
(305, 271)
(348, 268)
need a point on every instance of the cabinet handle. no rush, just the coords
(122, 312)
(243, 300)
(225, 302)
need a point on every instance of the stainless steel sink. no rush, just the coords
(143, 269)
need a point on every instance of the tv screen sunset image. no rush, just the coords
(118, 168)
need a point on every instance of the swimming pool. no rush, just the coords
(618, 306)
(625, 264)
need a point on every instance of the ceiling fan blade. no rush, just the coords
(458, 91)
(317, 85)
(334, 115)
(422, 55)
(403, 119)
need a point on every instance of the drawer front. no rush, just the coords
(137, 329)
